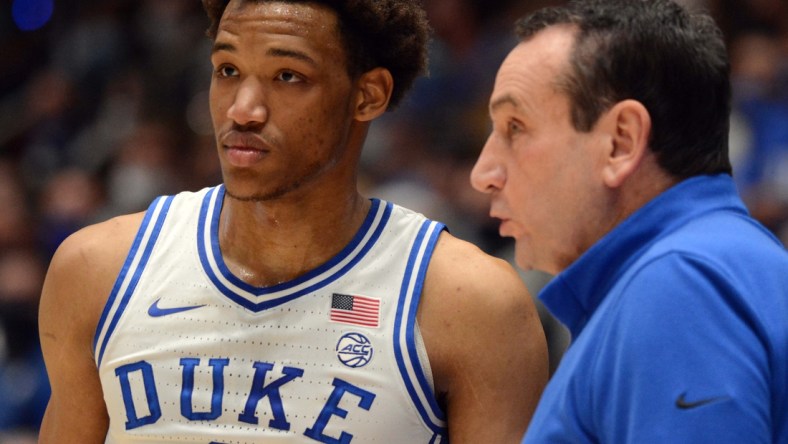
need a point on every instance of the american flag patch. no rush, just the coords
(356, 310)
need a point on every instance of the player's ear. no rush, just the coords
(373, 94)
(628, 124)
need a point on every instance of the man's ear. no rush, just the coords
(373, 94)
(629, 125)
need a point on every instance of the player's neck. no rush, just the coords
(266, 243)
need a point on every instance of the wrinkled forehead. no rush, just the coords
(542, 58)
(550, 46)
(532, 77)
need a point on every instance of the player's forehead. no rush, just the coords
(305, 23)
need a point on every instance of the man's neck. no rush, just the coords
(267, 243)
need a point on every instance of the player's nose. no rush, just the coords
(248, 105)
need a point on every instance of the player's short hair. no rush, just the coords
(654, 51)
(392, 34)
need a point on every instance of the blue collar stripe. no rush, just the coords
(261, 298)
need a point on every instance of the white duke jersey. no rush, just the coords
(188, 352)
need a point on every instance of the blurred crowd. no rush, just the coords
(104, 105)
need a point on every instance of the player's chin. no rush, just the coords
(248, 196)
(253, 194)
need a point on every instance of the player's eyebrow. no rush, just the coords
(275, 52)
(279, 52)
(221, 46)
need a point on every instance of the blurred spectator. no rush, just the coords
(23, 380)
(202, 164)
(759, 66)
(69, 201)
(144, 167)
(16, 224)
(41, 132)
(116, 115)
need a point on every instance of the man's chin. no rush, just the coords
(524, 266)
(524, 257)
(523, 263)
(255, 195)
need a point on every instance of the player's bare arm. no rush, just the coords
(79, 280)
(485, 342)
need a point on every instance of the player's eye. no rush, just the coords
(226, 71)
(289, 77)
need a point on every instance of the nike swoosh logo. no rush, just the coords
(683, 404)
(155, 311)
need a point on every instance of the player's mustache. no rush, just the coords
(248, 139)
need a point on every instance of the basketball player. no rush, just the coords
(282, 305)
(608, 164)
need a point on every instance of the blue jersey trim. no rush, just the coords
(222, 278)
(122, 275)
(163, 205)
(411, 322)
(407, 306)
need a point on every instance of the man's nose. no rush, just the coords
(488, 174)
(248, 107)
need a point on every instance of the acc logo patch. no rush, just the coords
(354, 350)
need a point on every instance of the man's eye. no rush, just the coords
(289, 77)
(514, 127)
(227, 71)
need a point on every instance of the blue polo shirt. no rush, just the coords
(679, 319)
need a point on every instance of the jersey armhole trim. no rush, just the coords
(405, 347)
(130, 274)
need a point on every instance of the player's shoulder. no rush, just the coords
(464, 281)
(81, 275)
(101, 241)
(474, 303)
(456, 261)
(90, 259)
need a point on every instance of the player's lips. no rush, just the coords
(244, 149)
